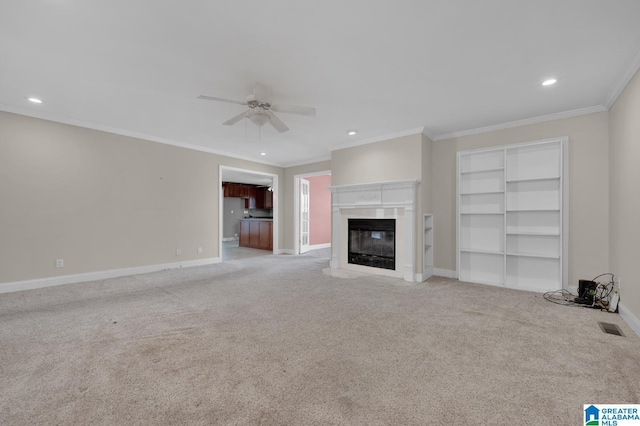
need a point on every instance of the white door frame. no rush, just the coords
(276, 215)
(296, 205)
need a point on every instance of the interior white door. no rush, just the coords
(304, 215)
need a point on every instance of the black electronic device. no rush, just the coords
(586, 292)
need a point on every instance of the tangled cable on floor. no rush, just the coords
(601, 297)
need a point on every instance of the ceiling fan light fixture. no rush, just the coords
(259, 119)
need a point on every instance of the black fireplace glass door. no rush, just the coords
(372, 242)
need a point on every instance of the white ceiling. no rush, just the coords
(380, 67)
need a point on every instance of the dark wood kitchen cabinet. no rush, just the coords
(264, 198)
(268, 199)
(255, 197)
(250, 200)
(256, 233)
(233, 190)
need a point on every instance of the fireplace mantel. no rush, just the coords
(380, 195)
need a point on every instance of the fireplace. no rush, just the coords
(372, 243)
(394, 201)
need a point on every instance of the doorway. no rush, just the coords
(251, 202)
(312, 213)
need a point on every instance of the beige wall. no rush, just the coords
(102, 201)
(393, 159)
(588, 188)
(625, 194)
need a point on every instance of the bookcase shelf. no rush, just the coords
(535, 234)
(533, 179)
(512, 220)
(482, 213)
(546, 256)
(481, 251)
(532, 210)
(482, 192)
(493, 169)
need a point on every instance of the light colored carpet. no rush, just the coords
(231, 250)
(274, 340)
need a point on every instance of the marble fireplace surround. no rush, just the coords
(392, 200)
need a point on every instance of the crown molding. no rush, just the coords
(416, 131)
(518, 123)
(622, 82)
(428, 133)
(108, 129)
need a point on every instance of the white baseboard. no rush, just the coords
(285, 251)
(319, 246)
(629, 318)
(422, 277)
(230, 239)
(447, 273)
(100, 275)
(425, 275)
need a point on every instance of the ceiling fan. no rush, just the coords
(261, 109)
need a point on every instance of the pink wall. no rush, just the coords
(319, 209)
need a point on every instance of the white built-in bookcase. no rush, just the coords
(512, 215)
(427, 239)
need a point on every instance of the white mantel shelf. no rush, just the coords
(399, 194)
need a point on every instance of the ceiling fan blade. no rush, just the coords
(295, 109)
(213, 98)
(276, 122)
(262, 92)
(234, 120)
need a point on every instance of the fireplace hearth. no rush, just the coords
(372, 243)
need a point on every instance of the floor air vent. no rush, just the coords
(609, 328)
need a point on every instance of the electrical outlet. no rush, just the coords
(231, 211)
(59, 263)
(178, 252)
(199, 250)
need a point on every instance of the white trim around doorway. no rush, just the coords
(276, 215)
(296, 206)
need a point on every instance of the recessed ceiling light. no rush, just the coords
(35, 100)
(351, 132)
(263, 153)
(549, 82)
